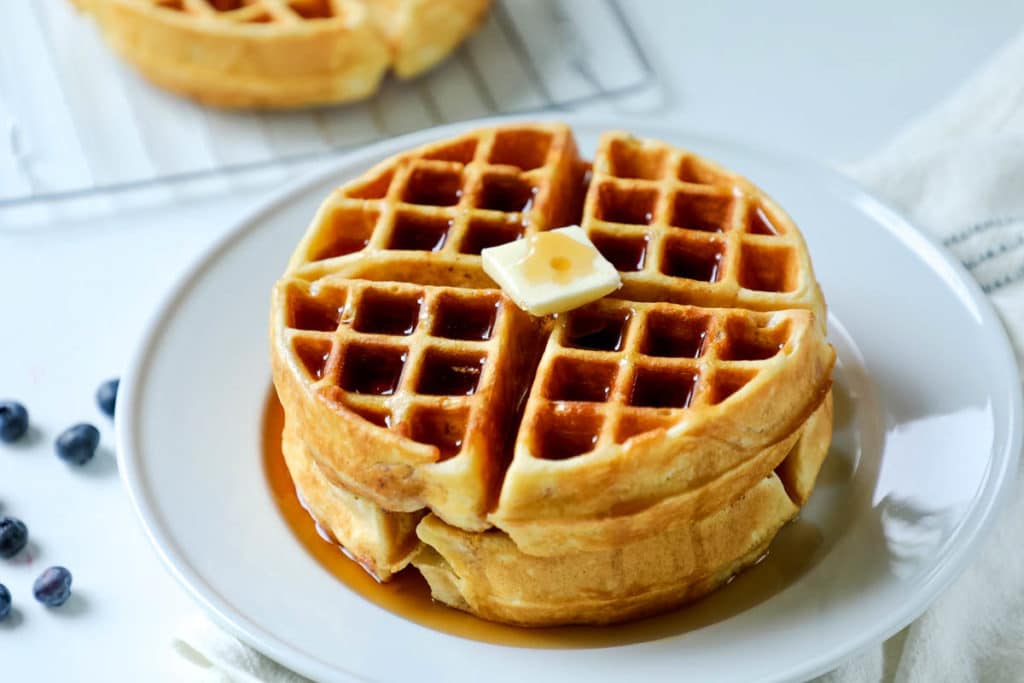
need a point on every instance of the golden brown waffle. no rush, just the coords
(623, 380)
(416, 384)
(666, 216)
(423, 32)
(281, 53)
(419, 379)
(382, 542)
(420, 220)
(487, 574)
(443, 386)
(426, 215)
(799, 471)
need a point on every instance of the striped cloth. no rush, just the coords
(959, 173)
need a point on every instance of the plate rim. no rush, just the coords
(974, 527)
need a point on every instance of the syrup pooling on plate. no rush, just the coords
(407, 595)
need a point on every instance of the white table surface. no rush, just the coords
(824, 81)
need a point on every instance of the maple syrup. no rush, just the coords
(450, 374)
(419, 233)
(588, 382)
(560, 440)
(658, 388)
(381, 313)
(314, 357)
(309, 314)
(441, 428)
(350, 231)
(485, 233)
(508, 194)
(692, 260)
(428, 187)
(672, 337)
(795, 550)
(341, 245)
(761, 224)
(596, 331)
(627, 254)
(466, 319)
(372, 370)
(555, 257)
(629, 206)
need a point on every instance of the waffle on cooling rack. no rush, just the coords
(414, 384)
(282, 53)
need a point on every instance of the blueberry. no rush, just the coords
(13, 537)
(5, 602)
(106, 396)
(13, 421)
(77, 444)
(53, 587)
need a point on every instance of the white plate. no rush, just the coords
(928, 426)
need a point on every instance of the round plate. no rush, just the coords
(927, 427)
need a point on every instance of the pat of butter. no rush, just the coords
(551, 272)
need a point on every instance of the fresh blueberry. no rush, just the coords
(13, 421)
(106, 396)
(53, 587)
(77, 444)
(5, 602)
(13, 537)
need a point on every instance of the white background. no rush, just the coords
(822, 80)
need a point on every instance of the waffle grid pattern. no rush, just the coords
(256, 11)
(411, 358)
(610, 371)
(661, 215)
(458, 199)
(405, 357)
(674, 226)
(614, 370)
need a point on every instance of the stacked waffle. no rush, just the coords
(282, 53)
(589, 467)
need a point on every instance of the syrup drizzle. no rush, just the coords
(408, 596)
(554, 257)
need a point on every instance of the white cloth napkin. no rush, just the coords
(959, 173)
(203, 653)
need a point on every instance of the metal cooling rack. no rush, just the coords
(76, 123)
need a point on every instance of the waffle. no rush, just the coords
(662, 215)
(416, 384)
(487, 574)
(281, 53)
(389, 277)
(382, 542)
(421, 33)
(620, 378)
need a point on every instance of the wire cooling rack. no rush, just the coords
(76, 123)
